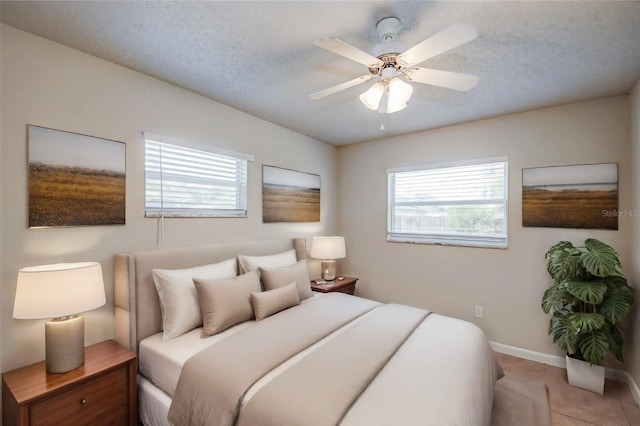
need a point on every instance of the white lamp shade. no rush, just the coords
(398, 94)
(328, 248)
(394, 106)
(397, 91)
(58, 290)
(371, 98)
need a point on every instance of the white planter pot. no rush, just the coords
(584, 375)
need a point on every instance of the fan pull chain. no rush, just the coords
(384, 121)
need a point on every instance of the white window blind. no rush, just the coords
(183, 181)
(460, 203)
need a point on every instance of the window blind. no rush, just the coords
(459, 203)
(186, 182)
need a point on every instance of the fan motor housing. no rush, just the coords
(390, 61)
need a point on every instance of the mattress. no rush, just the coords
(161, 361)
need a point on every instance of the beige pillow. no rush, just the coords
(178, 299)
(226, 302)
(278, 277)
(251, 263)
(267, 303)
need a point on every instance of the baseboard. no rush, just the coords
(559, 361)
(554, 360)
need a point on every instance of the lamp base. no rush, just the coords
(328, 270)
(64, 343)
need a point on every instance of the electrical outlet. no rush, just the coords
(478, 311)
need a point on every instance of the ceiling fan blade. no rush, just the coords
(452, 36)
(339, 87)
(343, 49)
(447, 79)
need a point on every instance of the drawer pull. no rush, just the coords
(83, 401)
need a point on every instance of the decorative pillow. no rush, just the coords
(251, 263)
(278, 277)
(267, 303)
(227, 302)
(178, 299)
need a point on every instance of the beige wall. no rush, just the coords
(632, 355)
(508, 284)
(53, 86)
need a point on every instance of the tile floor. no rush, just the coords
(571, 406)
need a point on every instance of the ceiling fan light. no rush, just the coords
(371, 98)
(399, 91)
(398, 94)
(395, 106)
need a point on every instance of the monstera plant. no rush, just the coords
(587, 301)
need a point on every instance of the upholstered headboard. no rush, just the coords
(137, 306)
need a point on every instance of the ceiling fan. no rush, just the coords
(392, 63)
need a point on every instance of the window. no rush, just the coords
(184, 180)
(462, 203)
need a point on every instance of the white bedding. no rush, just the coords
(443, 372)
(161, 361)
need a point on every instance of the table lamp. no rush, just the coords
(328, 249)
(60, 291)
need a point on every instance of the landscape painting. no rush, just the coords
(581, 196)
(289, 196)
(75, 180)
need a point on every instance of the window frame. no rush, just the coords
(464, 240)
(215, 154)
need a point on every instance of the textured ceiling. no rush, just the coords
(259, 57)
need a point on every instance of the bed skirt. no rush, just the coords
(153, 404)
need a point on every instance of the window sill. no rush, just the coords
(448, 242)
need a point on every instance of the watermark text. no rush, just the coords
(621, 213)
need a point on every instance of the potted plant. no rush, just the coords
(587, 301)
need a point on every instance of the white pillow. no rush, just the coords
(252, 263)
(178, 297)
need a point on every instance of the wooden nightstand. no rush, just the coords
(346, 285)
(102, 391)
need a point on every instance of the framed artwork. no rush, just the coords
(289, 196)
(580, 196)
(75, 180)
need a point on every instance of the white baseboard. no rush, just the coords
(554, 360)
(559, 361)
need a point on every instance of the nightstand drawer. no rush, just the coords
(103, 397)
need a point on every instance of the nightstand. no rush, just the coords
(346, 285)
(102, 391)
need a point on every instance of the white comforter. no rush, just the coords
(357, 362)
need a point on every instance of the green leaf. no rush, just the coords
(559, 246)
(583, 323)
(616, 281)
(594, 346)
(615, 342)
(591, 292)
(563, 261)
(562, 335)
(600, 259)
(556, 298)
(616, 304)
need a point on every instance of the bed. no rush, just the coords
(274, 353)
